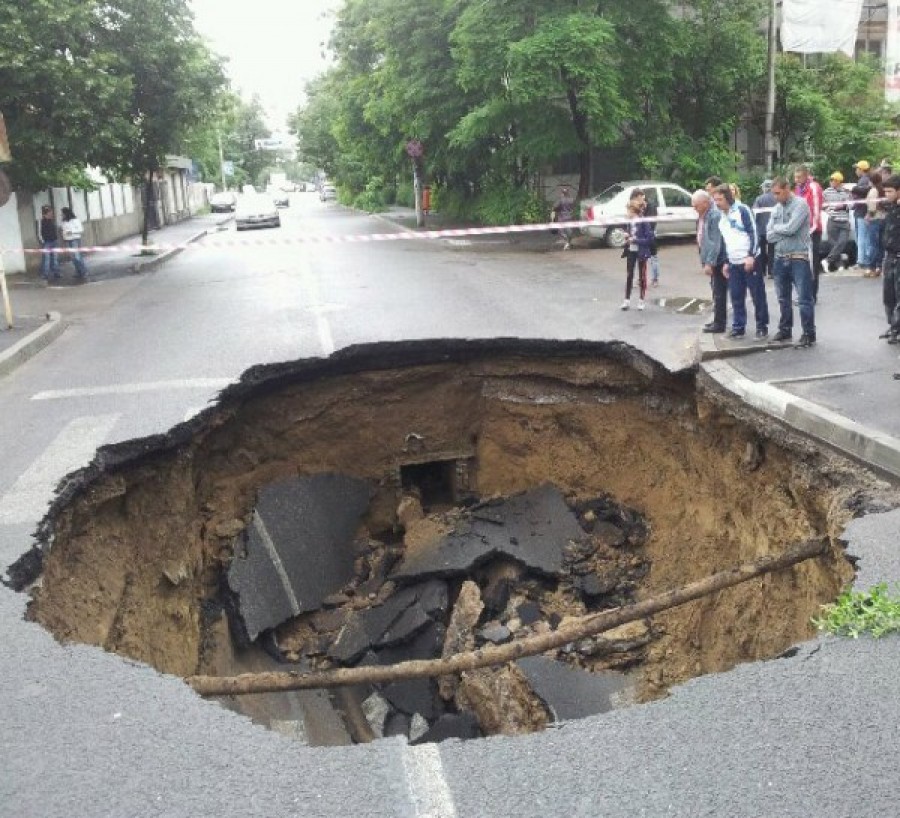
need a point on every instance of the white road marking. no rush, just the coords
(689, 304)
(74, 447)
(311, 285)
(134, 388)
(275, 558)
(425, 780)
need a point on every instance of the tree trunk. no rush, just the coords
(580, 124)
(497, 655)
(148, 199)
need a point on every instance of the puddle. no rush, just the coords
(684, 305)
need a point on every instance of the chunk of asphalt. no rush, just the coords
(532, 528)
(298, 548)
(407, 625)
(463, 726)
(397, 724)
(412, 696)
(495, 633)
(528, 613)
(571, 693)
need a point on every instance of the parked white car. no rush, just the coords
(678, 217)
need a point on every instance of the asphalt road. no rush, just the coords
(85, 733)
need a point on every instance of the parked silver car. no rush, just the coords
(678, 217)
(256, 210)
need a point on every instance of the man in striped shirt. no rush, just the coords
(836, 204)
(811, 192)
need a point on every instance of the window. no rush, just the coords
(676, 198)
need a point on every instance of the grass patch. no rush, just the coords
(875, 612)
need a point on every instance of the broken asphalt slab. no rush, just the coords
(297, 550)
(532, 528)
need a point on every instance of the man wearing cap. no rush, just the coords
(858, 194)
(837, 207)
(762, 207)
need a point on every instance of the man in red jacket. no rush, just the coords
(809, 189)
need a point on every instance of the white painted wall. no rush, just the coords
(11, 237)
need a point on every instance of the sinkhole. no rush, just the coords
(418, 500)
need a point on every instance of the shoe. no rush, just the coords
(806, 340)
(736, 333)
(641, 304)
(654, 283)
(826, 268)
(886, 334)
(894, 339)
(762, 333)
(782, 335)
(713, 328)
(626, 304)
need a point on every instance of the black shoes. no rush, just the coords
(806, 340)
(762, 333)
(894, 338)
(886, 334)
(781, 335)
(736, 333)
(713, 328)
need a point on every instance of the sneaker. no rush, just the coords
(626, 304)
(782, 335)
(713, 328)
(736, 333)
(654, 283)
(886, 334)
(826, 268)
(894, 338)
(641, 304)
(762, 333)
(806, 340)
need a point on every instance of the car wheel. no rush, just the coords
(616, 237)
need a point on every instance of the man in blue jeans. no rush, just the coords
(789, 231)
(49, 241)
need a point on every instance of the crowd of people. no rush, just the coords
(779, 237)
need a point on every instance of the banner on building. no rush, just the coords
(820, 26)
(892, 53)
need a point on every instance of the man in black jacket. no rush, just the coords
(49, 241)
(891, 241)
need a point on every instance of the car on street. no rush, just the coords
(256, 210)
(328, 193)
(223, 202)
(281, 198)
(673, 202)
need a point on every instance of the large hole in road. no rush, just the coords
(414, 500)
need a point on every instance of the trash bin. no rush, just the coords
(426, 198)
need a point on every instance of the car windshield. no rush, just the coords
(609, 194)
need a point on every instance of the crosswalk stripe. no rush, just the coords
(133, 388)
(74, 447)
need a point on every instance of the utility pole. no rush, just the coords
(222, 162)
(770, 96)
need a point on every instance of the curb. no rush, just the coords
(162, 258)
(710, 352)
(863, 443)
(31, 344)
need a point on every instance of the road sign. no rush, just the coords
(228, 167)
(270, 144)
(5, 155)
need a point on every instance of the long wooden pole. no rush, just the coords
(279, 681)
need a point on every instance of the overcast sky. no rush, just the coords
(273, 46)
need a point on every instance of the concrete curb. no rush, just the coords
(162, 258)
(31, 344)
(863, 443)
(710, 352)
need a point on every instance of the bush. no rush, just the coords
(405, 196)
(502, 204)
(372, 199)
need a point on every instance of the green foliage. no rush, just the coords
(503, 203)
(875, 612)
(374, 198)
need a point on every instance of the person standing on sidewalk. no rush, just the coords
(49, 242)
(810, 190)
(712, 257)
(874, 222)
(836, 201)
(858, 193)
(891, 270)
(762, 207)
(738, 229)
(637, 250)
(564, 211)
(789, 231)
(72, 231)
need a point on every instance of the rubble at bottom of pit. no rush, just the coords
(466, 577)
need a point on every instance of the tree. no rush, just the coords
(62, 100)
(174, 83)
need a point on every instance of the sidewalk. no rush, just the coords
(37, 307)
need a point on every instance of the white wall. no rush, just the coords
(11, 236)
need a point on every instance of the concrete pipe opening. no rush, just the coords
(416, 500)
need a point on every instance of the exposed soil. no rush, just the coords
(141, 540)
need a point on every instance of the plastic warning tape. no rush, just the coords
(217, 241)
